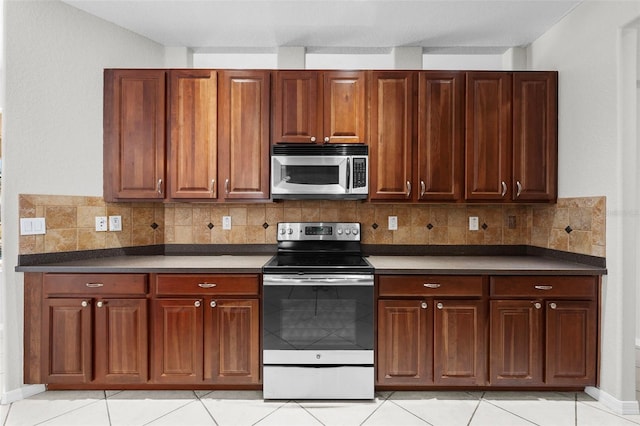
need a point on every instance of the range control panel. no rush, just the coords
(310, 231)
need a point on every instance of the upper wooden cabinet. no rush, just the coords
(193, 138)
(319, 107)
(417, 150)
(243, 133)
(391, 151)
(511, 136)
(134, 134)
(535, 136)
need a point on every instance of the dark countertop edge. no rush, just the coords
(136, 270)
(520, 272)
(46, 261)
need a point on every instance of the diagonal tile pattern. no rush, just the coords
(236, 408)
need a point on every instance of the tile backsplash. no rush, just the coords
(574, 225)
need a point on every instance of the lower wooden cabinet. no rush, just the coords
(544, 331)
(210, 337)
(98, 336)
(434, 336)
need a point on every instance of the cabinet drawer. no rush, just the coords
(190, 285)
(430, 285)
(544, 286)
(95, 284)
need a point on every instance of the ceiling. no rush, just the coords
(264, 25)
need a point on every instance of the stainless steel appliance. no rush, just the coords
(318, 321)
(330, 171)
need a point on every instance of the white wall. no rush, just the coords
(52, 126)
(596, 158)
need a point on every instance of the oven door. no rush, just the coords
(309, 176)
(318, 319)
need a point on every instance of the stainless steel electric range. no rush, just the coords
(318, 321)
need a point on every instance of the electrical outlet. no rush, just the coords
(101, 223)
(473, 223)
(393, 223)
(115, 223)
(226, 222)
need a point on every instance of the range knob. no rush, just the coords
(355, 231)
(282, 231)
(339, 231)
(289, 231)
(348, 231)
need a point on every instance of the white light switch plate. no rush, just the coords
(393, 223)
(32, 226)
(115, 223)
(473, 223)
(101, 223)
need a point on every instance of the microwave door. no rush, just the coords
(309, 175)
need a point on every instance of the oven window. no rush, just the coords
(318, 317)
(311, 175)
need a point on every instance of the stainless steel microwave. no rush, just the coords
(330, 171)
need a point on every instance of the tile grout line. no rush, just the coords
(377, 408)
(206, 408)
(476, 409)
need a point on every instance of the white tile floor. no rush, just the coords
(90, 408)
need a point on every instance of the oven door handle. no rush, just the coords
(364, 280)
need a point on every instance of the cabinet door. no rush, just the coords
(392, 135)
(232, 341)
(177, 341)
(488, 136)
(193, 134)
(134, 134)
(516, 346)
(344, 108)
(121, 341)
(67, 336)
(571, 341)
(440, 153)
(535, 133)
(296, 107)
(405, 333)
(459, 342)
(243, 131)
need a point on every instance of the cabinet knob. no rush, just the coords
(197, 303)
(100, 304)
(213, 304)
(537, 305)
(84, 304)
(408, 189)
(313, 138)
(326, 139)
(423, 188)
(518, 188)
(552, 305)
(423, 305)
(440, 305)
(504, 189)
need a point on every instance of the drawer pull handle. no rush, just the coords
(432, 285)
(440, 305)
(543, 287)
(423, 305)
(94, 285)
(207, 285)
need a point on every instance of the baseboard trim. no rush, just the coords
(22, 393)
(614, 404)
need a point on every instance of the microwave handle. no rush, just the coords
(348, 172)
